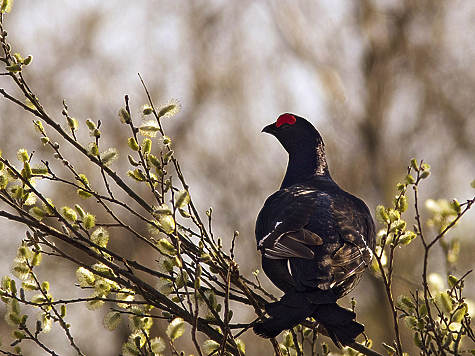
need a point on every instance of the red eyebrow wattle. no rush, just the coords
(285, 119)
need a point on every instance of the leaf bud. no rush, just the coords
(124, 116)
(132, 161)
(167, 156)
(146, 110)
(14, 68)
(79, 210)
(28, 60)
(147, 145)
(424, 174)
(381, 214)
(409, 179)
(132, 144)
(414, 164)
(90, 124)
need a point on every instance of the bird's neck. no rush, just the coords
(305, 165)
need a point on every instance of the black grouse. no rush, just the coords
(316, 239)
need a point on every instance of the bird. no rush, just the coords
(315, 239)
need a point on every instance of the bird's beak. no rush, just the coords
(270, 129)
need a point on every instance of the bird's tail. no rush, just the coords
(339, 322)
(295, 307)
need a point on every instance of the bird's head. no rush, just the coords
(294, 133)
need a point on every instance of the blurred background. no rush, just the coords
(383, 81)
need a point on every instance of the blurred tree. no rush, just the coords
(382, 81)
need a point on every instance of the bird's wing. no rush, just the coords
(280, 225)
(356, 228)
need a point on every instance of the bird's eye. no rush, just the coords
(285, 126)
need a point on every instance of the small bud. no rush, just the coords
(182, 198)
(69, 214)
(132, 144)
(176, 328)
(146, 145)
(132, 161)
(96, 133)
(72, 123)
(381, 214)
(22, 155)
(409, 179)
(109, 156)
(124, 116)
(154, 161)
(146, 110)
(425, 167)
(417, 340)
(90, 124)
(79, 210)
(452, 280)
(414, 164)
(28, 60)
(89, 221)
(44, 140)
(456, 206)
(84, 194)
(14, 68)
(137, 175)
(63, 310)
(167, 156)
(425, 174)
(26, 171)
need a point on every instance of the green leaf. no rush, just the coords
(46, 321)
(20, 269)
(112, 320)
(109, 156)
(158, 345)
(146, 145)
(14, 68)
(414, 164)
(94, 304)
(182, 198)
(100, 236)
(410, 322)
(444, 302)
(69, 214)
(409, 179)
(166, 247)
(89, 221)
(405, 303)
(170, 108)
(424, 174)
(391, 350)
(22, 155)
(287, 339)
(124, 116)
(406, 238)
(176, 328)
(149, 129)
(132, 143)
(452, 280)
(241, 346)
(83, 194)
(85, 277)
(210, 346)
(417, 340)
(460, 313)
(422, 310)
(381, 214)
(6, 6)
